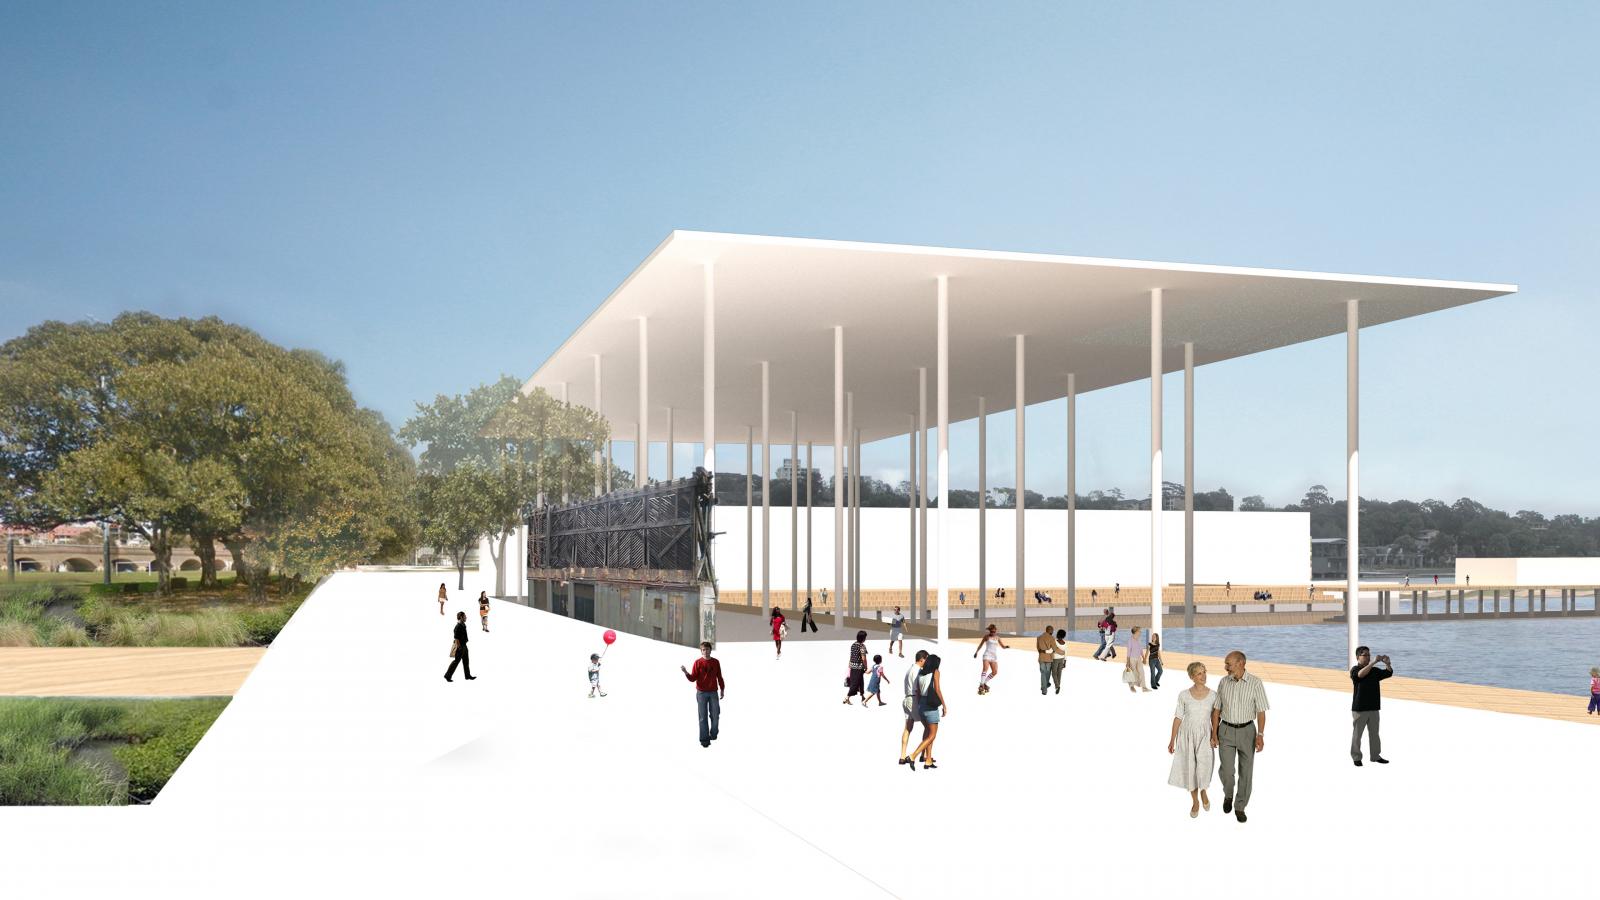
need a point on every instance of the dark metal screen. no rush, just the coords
(653, 529)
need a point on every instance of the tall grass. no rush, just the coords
(116, 621)
(202, 628)
(18, 634)
(37, 738)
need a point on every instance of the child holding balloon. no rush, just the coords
(609, 637)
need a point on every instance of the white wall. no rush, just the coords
(1113, 546)
(1574, 570)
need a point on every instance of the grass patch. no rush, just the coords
(38, 737)
(69, 615)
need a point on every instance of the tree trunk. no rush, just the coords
(161, 549)
(241, 572)
(499, 565)
(205, 547)
(461, 572)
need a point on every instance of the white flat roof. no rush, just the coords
(778, 299)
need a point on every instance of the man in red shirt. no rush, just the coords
(708, 692)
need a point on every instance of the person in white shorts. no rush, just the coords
(990, 645)
(896, 626)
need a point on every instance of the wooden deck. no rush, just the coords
(125, 672)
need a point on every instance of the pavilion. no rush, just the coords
(846, 340)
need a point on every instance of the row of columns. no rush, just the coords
(847, 439)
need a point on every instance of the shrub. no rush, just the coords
(131, 587)
(177, 582)
(152, 763)
(70, 635)
(15, 633)
(264, 625)
(96, 590)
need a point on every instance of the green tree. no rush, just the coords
(200, 429)
(519, 447)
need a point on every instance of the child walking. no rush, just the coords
(594, 675)
(875, 683)
(1594, 690)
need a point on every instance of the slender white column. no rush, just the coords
(611, 460)
(1156, 576)
(849, 597)
(1188, 484)
(1352, 505)
(911, 505)
(983, 513)
(708, 377)
(810, 478)
(671, 447)
(641, 450)
(1021, 620)
(920, 601)
(855, 524)
(942, 414)
(749, 517)
(766, 493)
(599, 409)
(638, 442)
(1072, 501)
(838, 475)
(794, 510)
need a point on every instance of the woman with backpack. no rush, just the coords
(780, 629)
(930, 700)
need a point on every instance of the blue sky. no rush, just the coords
(438, 195)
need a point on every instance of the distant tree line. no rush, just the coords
(1435, 532)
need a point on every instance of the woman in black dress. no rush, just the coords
(855, 681)
(459, 655)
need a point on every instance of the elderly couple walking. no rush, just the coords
(1052, 658)
(1230, 722)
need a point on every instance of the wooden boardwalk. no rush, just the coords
(125, 672)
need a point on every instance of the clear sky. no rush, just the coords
(438, 194)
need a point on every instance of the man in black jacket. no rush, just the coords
(461, 650)
(1367, 679)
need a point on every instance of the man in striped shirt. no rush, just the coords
(1238, 729)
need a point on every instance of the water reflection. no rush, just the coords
(1552, 655)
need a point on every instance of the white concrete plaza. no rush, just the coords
(346, 763)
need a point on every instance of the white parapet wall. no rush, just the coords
(1574, 570)
(1113, 546)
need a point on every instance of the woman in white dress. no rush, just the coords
(1190, 744)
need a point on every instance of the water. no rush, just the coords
(1552, 655)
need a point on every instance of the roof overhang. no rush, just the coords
(778, 300)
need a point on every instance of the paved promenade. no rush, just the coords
(346, 752)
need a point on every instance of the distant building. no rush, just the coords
(1330, 558)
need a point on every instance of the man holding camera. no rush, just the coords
(1366, 678)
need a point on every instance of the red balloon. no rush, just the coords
(610, 637)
